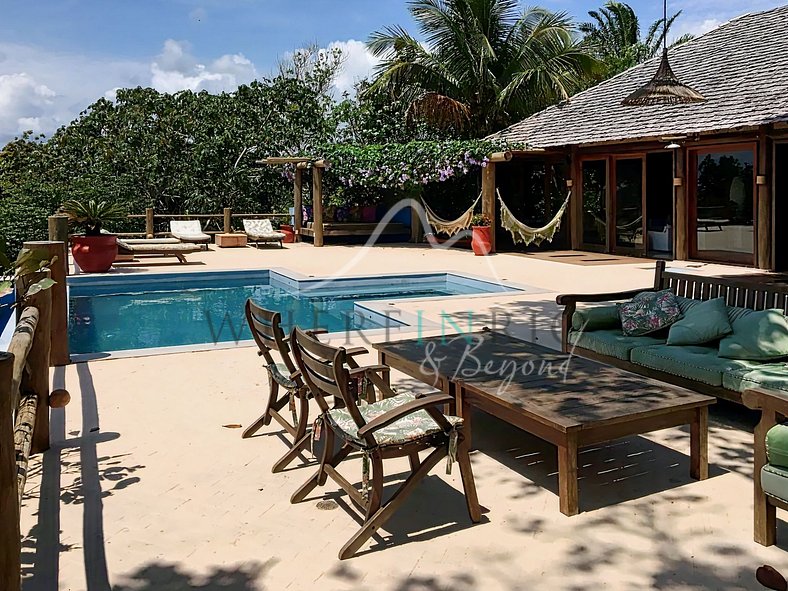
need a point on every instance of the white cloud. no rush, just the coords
(177, 69)
(358, 64)
(695, 27)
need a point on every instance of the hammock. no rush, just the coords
(526, 234)
(450, 227)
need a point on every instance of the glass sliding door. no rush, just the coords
(595, 203)
(629, 204)
(722, 208)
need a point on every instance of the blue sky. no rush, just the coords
(56, 57)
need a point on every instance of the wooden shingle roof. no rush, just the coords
(741, 68)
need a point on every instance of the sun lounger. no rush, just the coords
(128, 249)
(189, 231)
(258, 231)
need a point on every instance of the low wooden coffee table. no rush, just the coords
(568, 401)
(231, 240)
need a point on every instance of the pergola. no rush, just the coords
(302, 163)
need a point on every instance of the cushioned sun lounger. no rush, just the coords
(154, 247)
(189, 231)
(258, 231)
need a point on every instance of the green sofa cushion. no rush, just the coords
(777, 446)
(774, 481)
(703, 323)
(611, 342)
(759, 335)
(596, 318)
(686, 304)
(757, 375)
(694, 362)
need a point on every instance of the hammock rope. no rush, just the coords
(450, 227)
(526, 234)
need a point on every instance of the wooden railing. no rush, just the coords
(224, 220)
(25, 401)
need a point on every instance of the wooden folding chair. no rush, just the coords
(267, 332)
(396, 425)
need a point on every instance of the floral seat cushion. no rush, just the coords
(261, 228)
(280, 374)
(409, 428)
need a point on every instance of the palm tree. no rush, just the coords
(483, 64)
(614, 37)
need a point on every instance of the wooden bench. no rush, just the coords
(749, 293)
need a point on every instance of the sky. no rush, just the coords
(59, 56)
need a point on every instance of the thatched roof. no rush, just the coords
(740, 67)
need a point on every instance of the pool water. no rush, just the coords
(165, 312)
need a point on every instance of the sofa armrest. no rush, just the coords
(766, 399)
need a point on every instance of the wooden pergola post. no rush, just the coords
(10, 538)
(149, 229)
(298, 217)
(488, 191)
(317, 204)
(228, 220)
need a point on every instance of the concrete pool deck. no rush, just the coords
(148, 488)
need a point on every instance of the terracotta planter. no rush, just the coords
(289, 233)
(481, 240)
(94, 254)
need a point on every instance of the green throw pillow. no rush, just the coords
(757, 336)
(648, 312)
(596, 318)
(702, 323)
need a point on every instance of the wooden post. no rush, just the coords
(228, 220)
(488, 199)
(10, 537)
(416, 229)
(149, 230)
(37, 381)
(576, 201)
(298, 217)
(58, 228)
(681, 210)
(764, 227)
(317, 204)
(59, 326)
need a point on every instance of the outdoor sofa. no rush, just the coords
(189, 231)
(596, 333)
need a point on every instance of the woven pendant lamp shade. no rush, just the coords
(664, 89)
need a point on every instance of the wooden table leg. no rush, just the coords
(567, 476)
(464, 409)
(699, 444)
(386, 374)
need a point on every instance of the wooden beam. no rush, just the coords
(38, 364)
(321, 164)
(317, 205)
(680, 207)
(278, 160)
(500, 157)
(488, 199)
(764, 210)
(19, 347)
(10, 538)
(298, 218)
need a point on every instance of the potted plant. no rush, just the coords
(480, 241)
(94, 251)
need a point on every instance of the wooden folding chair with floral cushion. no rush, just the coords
(394, 426)
(267, 332)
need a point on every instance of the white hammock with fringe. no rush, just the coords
(526, 234)
(450, 227)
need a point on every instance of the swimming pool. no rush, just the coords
(131, 313)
